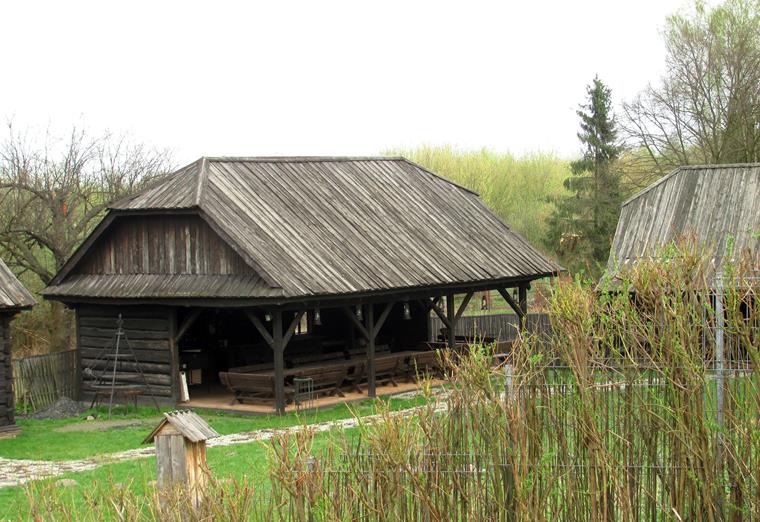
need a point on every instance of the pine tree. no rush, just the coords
(583, 223)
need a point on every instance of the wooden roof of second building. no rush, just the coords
(716, 205)
(329, 226)
(13, 294)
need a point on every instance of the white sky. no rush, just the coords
(323, 77)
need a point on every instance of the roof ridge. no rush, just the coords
(316, 159)
(675, 171)
(152, 184)
(300, 159)
(201, 183)
(447, 180)
(720, 166)
(652, 186)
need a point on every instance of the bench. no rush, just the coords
(327, 380)
(298, 360)
(360, 352)
(251, 387)
(252, 368)
(387, 368)
(422, 363)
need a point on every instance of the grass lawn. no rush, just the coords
(55, 440)
(71, 439)
(238, 461)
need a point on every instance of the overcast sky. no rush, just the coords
(323, 77)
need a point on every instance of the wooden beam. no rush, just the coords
(186, 324)
(433, 305)
(261, 328)
(511, 302)
(381, 320)
(463, 306)
(278, 347)
(370, 318)
(523, 303)
(451, 320)
(357, 323)
(292, 327)
(173, 353)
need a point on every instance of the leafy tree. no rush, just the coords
(706, 108)
(583, 223)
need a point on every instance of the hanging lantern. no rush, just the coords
(268, 317)
(317, 317)
(407, 312)
(359, 314)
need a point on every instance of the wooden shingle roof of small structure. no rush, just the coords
(716, 205)
(13, 295)
(326, 226)
(187, 423)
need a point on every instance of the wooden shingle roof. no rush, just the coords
(187, 423)
(716, 205)
(13, 295)
(329, 226)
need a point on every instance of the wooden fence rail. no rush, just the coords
(503, 327)
(40, 380)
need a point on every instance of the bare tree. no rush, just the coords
(707, 107)
(53, 192)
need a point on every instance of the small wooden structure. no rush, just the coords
(180, 440)
(13, 298)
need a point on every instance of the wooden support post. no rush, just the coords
(523, 303)
(369, 331)
(520, 308)
(277, 341)
(278, 347)
(186, 324)
(370, 326)
(451, 321)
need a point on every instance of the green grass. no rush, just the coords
(40, 440)
(239, 461)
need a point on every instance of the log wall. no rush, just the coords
(6, 374)
(149, 331)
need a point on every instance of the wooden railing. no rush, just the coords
(503, 327)
(40, 380)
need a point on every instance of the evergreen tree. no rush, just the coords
(583, 223)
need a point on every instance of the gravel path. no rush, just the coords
(14, 472)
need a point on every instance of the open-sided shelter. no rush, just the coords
(13, 298)
(250, 263)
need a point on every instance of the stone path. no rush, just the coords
(14, 472)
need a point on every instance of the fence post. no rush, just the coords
(719, 347)
(310, 463)
(508, 380)
(719, 385)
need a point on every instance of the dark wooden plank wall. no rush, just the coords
(179, 244)
(149, 330)
(6, 374)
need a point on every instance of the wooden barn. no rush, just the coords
(13, 298)
(716, 205)
(259, 274)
